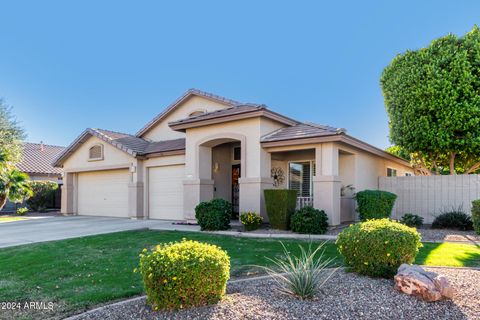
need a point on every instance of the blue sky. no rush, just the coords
(67, 65)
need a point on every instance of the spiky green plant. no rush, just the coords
(301, 276)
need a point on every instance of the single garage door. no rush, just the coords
(103, 193)
(165, 192)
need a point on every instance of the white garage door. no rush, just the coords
(103, 193)
(165, 192)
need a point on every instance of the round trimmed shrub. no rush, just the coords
(184, 274)
(378, 247)
(453, 220)
(412, 220)
(214, 214)
(375, 204)
(309, 220)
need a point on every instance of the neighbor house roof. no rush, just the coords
(189, 93)
(300, 131)
(130, 144)
(233, 113)
(37, 159)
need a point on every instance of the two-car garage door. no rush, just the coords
(103, 193)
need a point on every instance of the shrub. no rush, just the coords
(184, 274)
(378, 247)
(454, 219)
(476, 215)
(302, 275)
(309, 220)
(214, 214)
(251, 220)
(22, 211)
(43, 195)
(375, 204)
(412, 220)
(280, 204)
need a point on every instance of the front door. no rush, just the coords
(235, 190)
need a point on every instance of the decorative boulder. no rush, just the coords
(413, 280)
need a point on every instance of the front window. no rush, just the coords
(391, 172)
(300, 178)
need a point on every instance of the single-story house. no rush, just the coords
(204, 146)
(36, 161)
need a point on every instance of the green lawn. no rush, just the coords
(83, 272)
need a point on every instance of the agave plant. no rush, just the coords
(303, 275)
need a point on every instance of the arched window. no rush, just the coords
(95, 152)
(196, 113)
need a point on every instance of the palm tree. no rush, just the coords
(14, 186)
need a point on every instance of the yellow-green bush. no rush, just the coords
(251, 220)
(184, 274)
(378, 247)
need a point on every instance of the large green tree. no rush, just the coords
(13, 183)
(432, 97)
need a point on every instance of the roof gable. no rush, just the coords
(177, 103)
(132, 145)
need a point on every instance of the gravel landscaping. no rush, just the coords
(345, 296)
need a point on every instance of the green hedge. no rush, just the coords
(378, 247)
(476, 215)
(280, 204)
(43, 195)
(309, 220)
(184, 274)
(214, 214)
(375, 204)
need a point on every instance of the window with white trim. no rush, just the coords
(300, 177)
(391, 172)
(95, 152)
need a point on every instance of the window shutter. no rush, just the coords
(95, 152)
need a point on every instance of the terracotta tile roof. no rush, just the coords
(37, 158)
(302, 130)
(239, 109)
(167, 145)
(130, 144)
(186, 95)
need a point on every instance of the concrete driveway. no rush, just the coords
(56, 228)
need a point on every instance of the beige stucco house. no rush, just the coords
(204, 146)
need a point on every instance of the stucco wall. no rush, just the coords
(111, 156)
(368, 167)
(252, 129)
(163, 132)
(281, 160)
(223, 177)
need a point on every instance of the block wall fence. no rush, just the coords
(428, 196)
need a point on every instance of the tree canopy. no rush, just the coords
(432, 98)
(11, 136)
(14, 184)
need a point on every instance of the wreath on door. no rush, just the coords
(278, 176)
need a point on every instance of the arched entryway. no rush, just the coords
(220, 165)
